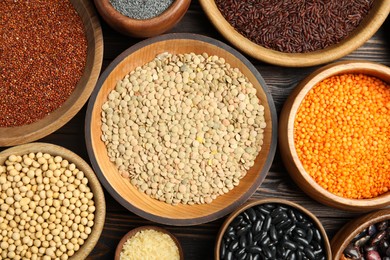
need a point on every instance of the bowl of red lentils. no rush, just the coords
(52, 205)
(297, 33)
(142, 19)
(334, 135)
(44, 87)
(181, 129)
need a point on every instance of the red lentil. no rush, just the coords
(43, 51)
(342, 135)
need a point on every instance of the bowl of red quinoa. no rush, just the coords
(334, 135)
(50, 61)
(193, 147)
(297, 33)
(142, 19)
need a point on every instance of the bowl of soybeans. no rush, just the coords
(297, 33)
(272, 229)
(142, 19)
(43, 88)
(52, 205)
(367, 237)
(334, 135)
(181, 129)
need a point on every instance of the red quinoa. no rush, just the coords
(43, 51)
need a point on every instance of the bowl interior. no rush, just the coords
(93, 183)
(254, 203)
(353, 228)
(369, 25)
(126, 193)
(136, 230)
(296, 168)
(23, 134)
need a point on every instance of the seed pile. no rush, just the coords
(141, 9)
(272, 231)
(184, 128)
(150, 244)
(43, 50)
(294, 26)
(373, 243)
(342, 136)
(46, 207)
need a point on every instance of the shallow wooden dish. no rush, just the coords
(253, 203)
(10, 136)
(358, 37)
(142, 28)
(286, 136)
(136, 230)
(127, 194)
(353, 228)
(93, 183)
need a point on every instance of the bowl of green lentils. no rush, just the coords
(181, 129)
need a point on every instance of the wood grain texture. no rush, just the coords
(142, 28)
(27, 133)
(198, 241)
(369, 25)
(286, 135)
(122, 189)
(93, 183)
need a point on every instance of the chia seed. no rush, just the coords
(141, 9)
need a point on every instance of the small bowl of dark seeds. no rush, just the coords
(144, 18)
(272, 229)
(367, 237)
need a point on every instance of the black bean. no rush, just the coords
(277, 211)
(318, 252)
(223, 249)
(243, 230)
(264, 210)
(249, 256)
(257, 226)
(284, 224)
(299, 216)
(237, 221)
(309, 253)
(254, 249)
(304, 225)
(299, 255)
(282, 216)
(291, 256)
(234, 245)
(289, 244)
(256, 257)
(246, 216)
(252, 214)
(230, 232)
(292, 216)
(317, 235)
(249, 238)
(301, 240)
(290, 229)
(270, 206)
(272, 233)
(243, 241)
(299, 232)
(267, 223)
(260, 236)
(239, 253)
(265, 241)
(267, 252)
(309, 235)
(229, 256)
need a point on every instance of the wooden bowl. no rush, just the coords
(93, 183)
(286, 136)
(142, 28)
(358, 37)
(136, 230)
(125, 193)
(353, 228)
(10, 136)
(254, 203)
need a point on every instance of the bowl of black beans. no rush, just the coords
(366, 237)
(272, 229)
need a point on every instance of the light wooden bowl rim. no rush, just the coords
(132, 232)
(93, 183)
(253, 203)
(358, 37)
(10, 136)
(139, 27)
(204, 217)
(299, 93)
(353, 228)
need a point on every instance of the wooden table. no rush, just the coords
(198, 241)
